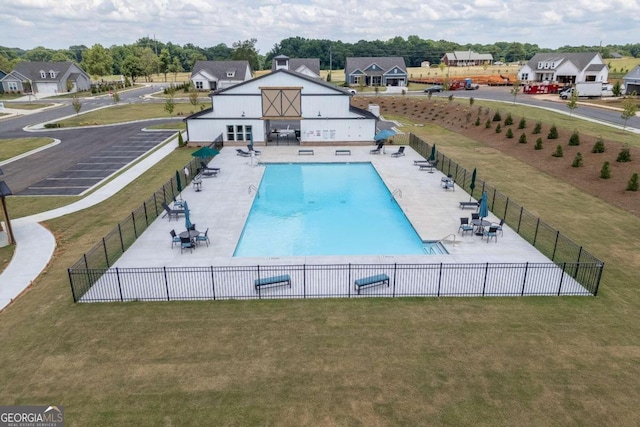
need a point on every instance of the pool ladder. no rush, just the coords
(447, 236)
(396, 192)
(254, 188)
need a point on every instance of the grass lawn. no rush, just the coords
(131, 112)
(15, 146)
(6, 252)
(27, 106)
(445, 362)
(177, 125)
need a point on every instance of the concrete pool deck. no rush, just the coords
(225, 201)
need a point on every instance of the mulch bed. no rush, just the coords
(462, 119)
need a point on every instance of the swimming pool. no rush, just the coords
(313, 209)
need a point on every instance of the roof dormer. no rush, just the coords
(43, 74)
(52, 74)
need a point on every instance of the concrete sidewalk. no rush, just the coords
(36, 244)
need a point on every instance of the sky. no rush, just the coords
(58, 24)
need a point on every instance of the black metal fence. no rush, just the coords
(571, 259)
(339, 280)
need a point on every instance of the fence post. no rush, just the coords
(106, 254)
(349, 281)
(73, 291)
(506, 206)
(146, 216)
(121, 241)
(86, 266)
(259, 287)
(524, 280)
(595, 291)
(449, 169)
(155, 204)
(493, 200)
(484, 282)
(166, 282)
(119, 284)
(304, 280)
(133, 219)
(564, 267)
(555, 245)
(575, 274)
(464, 178)
(535, 236)
(520, 219)
(483, 183)
(213, 283)
(439, 279)
(395, 270)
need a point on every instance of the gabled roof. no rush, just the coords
(384, 62)
(595, 67)
(579, 59)
(291, 73)
(31, 70)
(634, 74)
(468, 55)
(219, 69)
(295, 64)
(15, 75)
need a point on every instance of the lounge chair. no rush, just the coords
(428, 166)
(242, 153)
(205, 167)
(171, 212)
(250, 148)
(378, 149)
(398, 153)
(492, 231)
(465, 226)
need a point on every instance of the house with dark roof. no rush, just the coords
(2, 74)
(214, 75)
(632, 81)
(308, 66)
(46, 78)
(565, 68)
(466, 58)
(307, 110)
(376, 71)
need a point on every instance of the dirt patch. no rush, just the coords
(464, 119)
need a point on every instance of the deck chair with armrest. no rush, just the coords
(499, 226)
(242, 153)
(204, 167)
(490, 232)
(171, 212)
(465, 226)
(250, 148)
(398, 153)
(378, 149)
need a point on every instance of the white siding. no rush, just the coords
(336, 130)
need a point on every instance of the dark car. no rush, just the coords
(434, 88)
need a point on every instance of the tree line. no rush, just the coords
(148, 56)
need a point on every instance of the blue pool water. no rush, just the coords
(326, 209)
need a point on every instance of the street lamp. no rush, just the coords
(5, 191)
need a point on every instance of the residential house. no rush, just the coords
(632, 81)
(2, 74)
(466, 58)
(564, 68)
(214, 75)
(46, 78)
(313, 110)
(376, 71)
(310, 67)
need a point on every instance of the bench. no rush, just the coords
(344, 152)
(378, 279)
(274, 280)
(305, 151)
(464, 205)
(426, 166)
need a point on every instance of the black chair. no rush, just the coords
(242, 153)
(398, 153)
(186, 243)
(465, 226)
(203, 237)
(378, 149)
(171, 212)
(174, 238)
(192, 227)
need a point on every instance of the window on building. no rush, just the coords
(231, 73)
(13, 86)
(52, 74)
(231, 136)
(525, 76)
(247, 132)
(199, 85)
(240, 133)
(43, 74)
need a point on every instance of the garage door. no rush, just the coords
(47, 88)
(633, 88)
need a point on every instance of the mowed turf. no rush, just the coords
(423, 361)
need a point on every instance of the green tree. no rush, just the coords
(509, 133)
(605, 173)
(165, 62)
(39, 54)
(574, 139)
(116, 96)
(246, 50)
(624, 155)
(508, 121)
(617, 88)
(175, 68)
(169, 104)
(598, 147)
(538, 145)
(193, 95)
(537, 128)
(523, 139)
(132, 67)
(498, 128)
(97, 61)
(487, 124)
(577, 161)
(522, 124)
(497, 117)
(629, 109)
(180, 140)
(633, 183)
(553, 132)
(477, 121)
(77, 104)
(471, 101)
(558, 152)
(572, 103)
(149, 62)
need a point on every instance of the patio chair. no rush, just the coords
(398, 153)
(250, 148)
(178, 202)
(499, 226)
(204, 167)
(186, 243)
(203, 237)
(171, 212)
(378, 149)
(475, 216)
(174, 238)
(192, 227)
(242, 153)
(492, 231)
(465, 226)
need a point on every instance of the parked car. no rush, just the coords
(434, 88)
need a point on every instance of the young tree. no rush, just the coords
(497, 117)
(515, 90)
(522, 124)
(553, 132)
(508, 121)
(165, 62)
(629, 109)
(175, 68)
(624, 155)
(617, 88)
(509, 133)
(523, 139)
(538, 145)
(537, 129)
(77, 104)
(193, 95)
(558, 152)
(598, 147)
(572, 104)
(116, 96)
(575, 138)
(633, 183)
(577, 161)
(605, 173)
